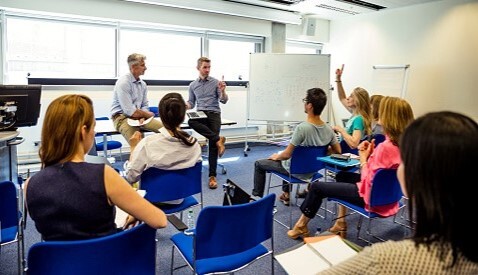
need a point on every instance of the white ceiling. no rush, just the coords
(328, 9)
(285, 11)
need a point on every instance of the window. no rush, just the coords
(303, 47)
(168, 56)
(56, 49)
(230, 58)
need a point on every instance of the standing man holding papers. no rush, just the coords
(207, 92)
(130, 100)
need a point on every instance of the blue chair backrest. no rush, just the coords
(346, 148)
(379, 138)
(226, 230)
(166, 185)
(154, 110)
(385, 187)
(8, 204)
(304, 159)
(129, 252)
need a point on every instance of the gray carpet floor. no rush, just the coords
(240, 169)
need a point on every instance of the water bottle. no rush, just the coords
(317, 232)
(190, 220)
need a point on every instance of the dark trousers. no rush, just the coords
(345, 188)
(261, 167)
(209, 128)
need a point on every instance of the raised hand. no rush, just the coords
(221, 85)
(338, 73)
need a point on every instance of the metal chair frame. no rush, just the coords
(385, 190)
(110, 144)
(303, 161)
(166, 185)
(223, 243)
(13, 220)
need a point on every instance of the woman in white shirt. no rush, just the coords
(170, 149)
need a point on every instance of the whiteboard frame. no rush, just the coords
(405, 67)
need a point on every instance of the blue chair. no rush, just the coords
(385, 190)
(303, 161)
(131, 251)
(11, 218)
(228, 238)
(379, 138)
(154, 110)
(166, 185)
(110, 144)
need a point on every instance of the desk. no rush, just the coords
(106, 127)
(350, 165)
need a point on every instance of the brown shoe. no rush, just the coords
(339, 228)
(297, 231)
(212, 182)
(221, 147)
(284, 197)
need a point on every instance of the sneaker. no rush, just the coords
(284, 197)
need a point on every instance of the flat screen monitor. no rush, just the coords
(19, 106)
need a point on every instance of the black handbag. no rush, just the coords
(233, 194)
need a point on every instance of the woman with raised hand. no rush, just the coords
(70, 199)
(395, 115)
(358, 104)
(438, 152)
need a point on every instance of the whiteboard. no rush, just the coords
(279, 82)
(390, 80)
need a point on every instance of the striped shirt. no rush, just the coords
(129, 95)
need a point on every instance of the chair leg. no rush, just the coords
(172, 260)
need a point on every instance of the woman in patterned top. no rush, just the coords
(434, 150)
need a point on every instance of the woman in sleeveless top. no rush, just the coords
(70, 199)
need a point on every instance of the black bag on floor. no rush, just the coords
(233, 194)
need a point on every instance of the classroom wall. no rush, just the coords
(438, 39)
(236, 109)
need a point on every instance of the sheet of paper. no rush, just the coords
(121, 216)
(352, 156)
(135, 122)
(335, 250)
(301, 261)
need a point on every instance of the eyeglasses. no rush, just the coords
(305, 100)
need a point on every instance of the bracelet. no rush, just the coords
(362, 164)
(338, 81)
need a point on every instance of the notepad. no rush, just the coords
(313, 257)
(196, 115)
(135, 122)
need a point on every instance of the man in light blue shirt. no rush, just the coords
(207, 92)
(130, 100)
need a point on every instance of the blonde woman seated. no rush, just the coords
(170, 149)
(395, 115)
(434, 149)
(70, 199)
